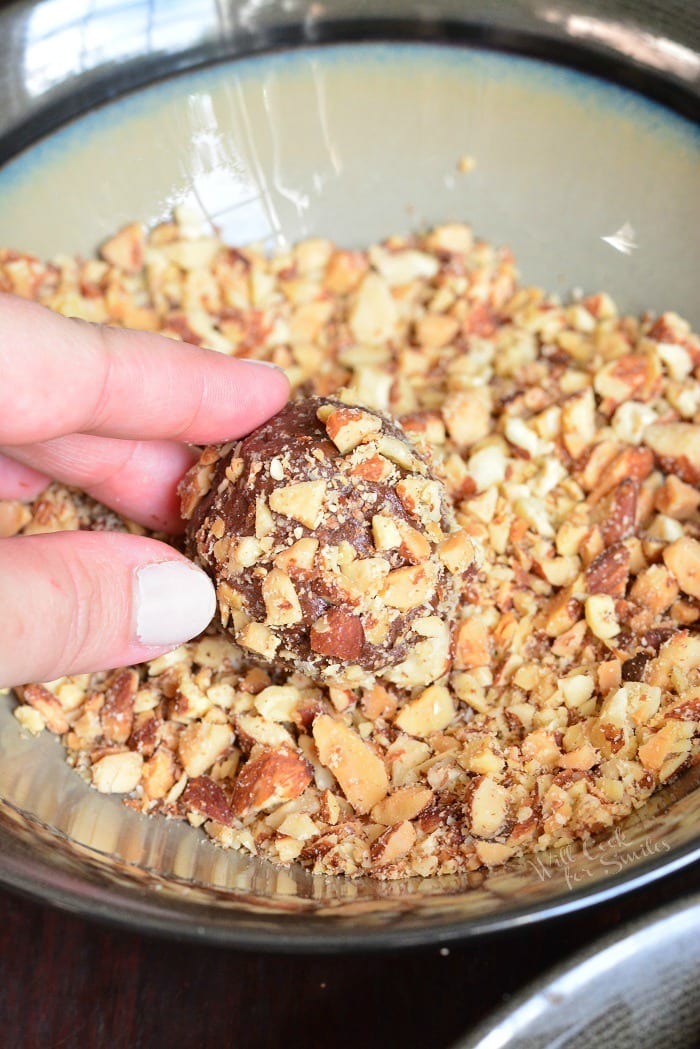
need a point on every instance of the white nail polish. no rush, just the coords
(262, 364)
(173, 602)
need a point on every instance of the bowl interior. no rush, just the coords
(593, 188)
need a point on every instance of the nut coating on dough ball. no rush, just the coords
(332, 546)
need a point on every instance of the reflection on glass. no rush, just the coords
(658, 52)
(65, 38)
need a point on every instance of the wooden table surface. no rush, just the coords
(65, 983)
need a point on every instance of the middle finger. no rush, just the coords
(138, 479)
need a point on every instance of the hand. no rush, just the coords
(110, 411)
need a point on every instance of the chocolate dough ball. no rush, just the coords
(332, 546)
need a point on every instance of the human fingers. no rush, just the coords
(73, 602)
(138, 479)
(18, 481)
(64, 376)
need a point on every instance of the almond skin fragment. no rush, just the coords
(359, 771)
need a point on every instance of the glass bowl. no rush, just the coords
(283, 120)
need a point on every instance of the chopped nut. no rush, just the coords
(298, 558)
(431, 711)
(125, 249)
(608, 572)
(259, 639)
(251, 729)
(13, 517)
(457, 552)
(677, 499)
(493, 853)
(578, 422)
(117, 714)
(654, 589)
(30, 719)
(118, 773)
(402, 804)
(158, 774)
(374, 314)
(201, 744)
(378, 703)
(467, 415)
(682, 558)
(48, 706)
(487, 807)
(264, 521)
(672, 739)
(277, 702)
(339, 634)
(303, 502)
(678, 446)
(348, 427)
(407, 588)
(472, 648)
(435, 330)
(281, 601)
(268, 780)
(359, 771)
(386, 532)
(393, 843)
(600, 616)
(205, 797)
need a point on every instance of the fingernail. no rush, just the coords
(173, 602)
(262, 364)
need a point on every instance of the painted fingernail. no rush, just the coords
(173, 602)
(262, 364)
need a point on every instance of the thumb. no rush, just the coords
(73, 602)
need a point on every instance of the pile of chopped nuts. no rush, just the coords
(568, 438)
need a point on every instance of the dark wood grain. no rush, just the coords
(68, 983)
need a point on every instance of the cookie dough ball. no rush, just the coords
(332, 547)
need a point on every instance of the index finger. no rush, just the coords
(61, 376)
